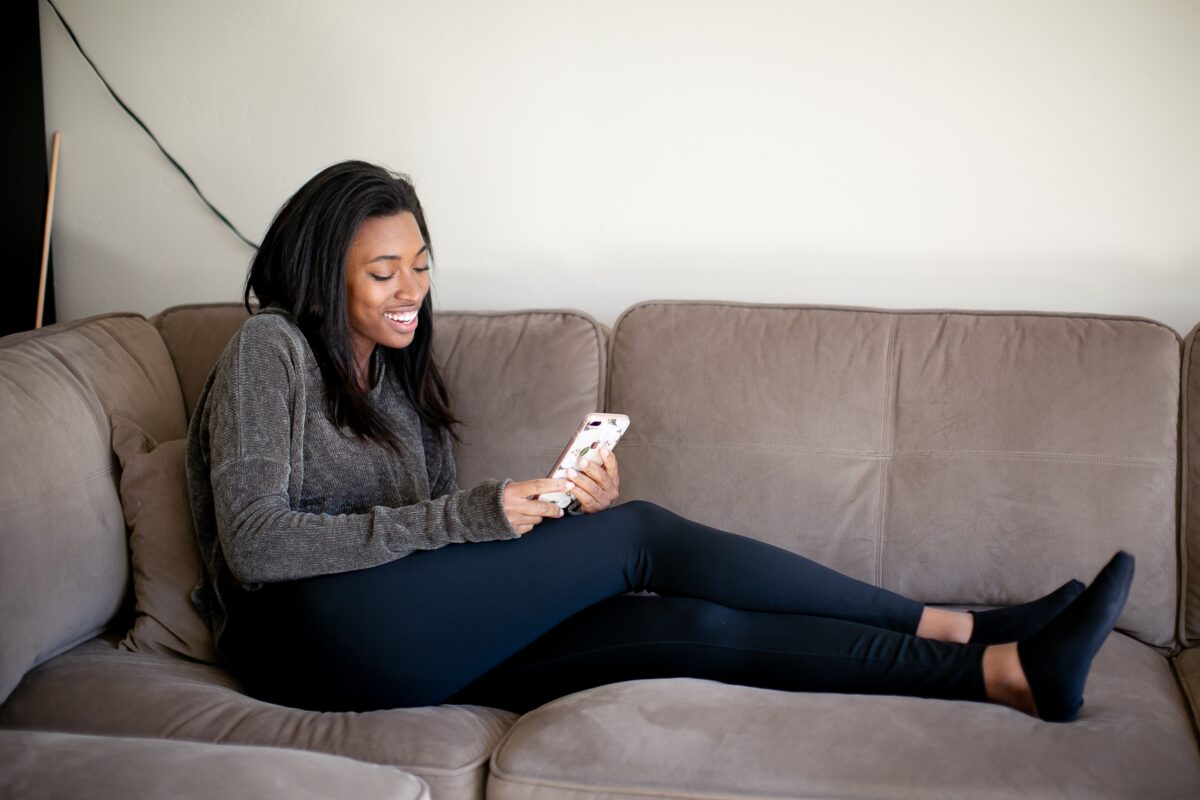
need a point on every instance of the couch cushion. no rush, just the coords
(521, 380)
(696, 739)
(98, 689)
(954, 457)
(44, 764)
(162, 544)
(196, 335)
(1190, 501)
(63, 560)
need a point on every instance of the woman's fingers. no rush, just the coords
(524, 524)
(610, 464)
(524, 489)
(523, 511)
(596, 484)
(590, 479)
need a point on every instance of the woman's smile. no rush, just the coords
(387, 279)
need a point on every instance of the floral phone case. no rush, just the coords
(596, 431)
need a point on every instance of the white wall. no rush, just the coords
(1035, 154)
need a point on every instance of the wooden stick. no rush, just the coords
(41, 300)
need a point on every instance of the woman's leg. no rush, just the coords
(419, 629)
(677, 556)
(657, 550)
(635, 637)
(685, 558)
(627, 638)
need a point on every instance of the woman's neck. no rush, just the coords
(362, 370)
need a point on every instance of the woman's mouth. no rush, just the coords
(404, 323)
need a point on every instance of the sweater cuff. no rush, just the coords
(488, 521)
(505, 525)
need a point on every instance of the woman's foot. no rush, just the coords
(1014, 623)
(1010, 624)
(1004, 679)
(1044, 675)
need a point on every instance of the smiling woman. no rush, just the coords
(347, 258)
(346, 569)
(387, 278)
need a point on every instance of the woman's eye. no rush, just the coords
(421, 269)
(382, 277)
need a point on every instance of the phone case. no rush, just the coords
(596, 431)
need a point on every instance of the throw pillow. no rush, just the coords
(162, 542)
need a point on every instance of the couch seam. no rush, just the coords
(886, 443)
(1193, 702)
(441, 772)
(873, 455)
(1183, 489)
(947, 312)
(99, 472)
(639, 791)
(60, 327)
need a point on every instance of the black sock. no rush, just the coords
(1056, 659)
(1014, 623)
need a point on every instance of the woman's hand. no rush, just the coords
(522, 507)
(597, 483)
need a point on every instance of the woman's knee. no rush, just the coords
(644, 514)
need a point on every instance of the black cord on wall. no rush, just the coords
(149, 133)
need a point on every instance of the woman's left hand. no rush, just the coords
(596, 483)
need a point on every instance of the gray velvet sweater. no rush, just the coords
(280, 493)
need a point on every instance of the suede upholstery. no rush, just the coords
(196, 335)
(56, 765)
(964, 458)
(697, 739)
(1190, 500)
(1187, 667)
(162, 544)
(99, 689)
(521, 382)
(902, 449)
(64, 569)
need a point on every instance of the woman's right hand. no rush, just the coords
(522, 507)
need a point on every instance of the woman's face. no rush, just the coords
(387, 278)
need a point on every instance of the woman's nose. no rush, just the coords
(408, 287)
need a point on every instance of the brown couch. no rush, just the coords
(961, 458)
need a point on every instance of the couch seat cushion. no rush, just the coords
(693, 739)
(45, 764)
(98, 689)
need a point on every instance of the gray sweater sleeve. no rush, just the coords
(258, 442)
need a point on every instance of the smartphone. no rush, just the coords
(596, 431)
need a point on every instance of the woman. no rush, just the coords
(345, 569)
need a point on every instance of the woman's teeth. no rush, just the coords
(401, 317)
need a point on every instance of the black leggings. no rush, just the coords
(513, 624)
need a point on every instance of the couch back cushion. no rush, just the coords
(521, 381)
(967, 458)
(195, 336)
(63, 563)
(1190, 618)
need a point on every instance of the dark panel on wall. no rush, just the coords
(24, 145)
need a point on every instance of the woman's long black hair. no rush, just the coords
(300, 268)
